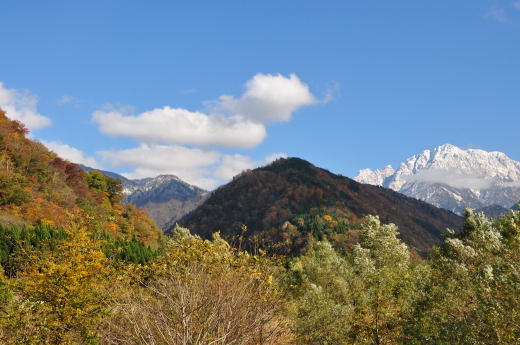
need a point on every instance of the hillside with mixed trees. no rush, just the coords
(39, 188)
(79, 267)
(280, 204)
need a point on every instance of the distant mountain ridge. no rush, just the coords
(166, 198)
(264, 199)
(453, 178)
(493, 211)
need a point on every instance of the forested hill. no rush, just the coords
(38, 187)
(291, 189)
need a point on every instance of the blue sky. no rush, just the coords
(344, 84)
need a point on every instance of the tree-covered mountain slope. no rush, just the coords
(277, 202)
(38, 187)
(493, 211)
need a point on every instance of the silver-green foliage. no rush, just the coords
(474, 294)
(359, 298)
(467, 293)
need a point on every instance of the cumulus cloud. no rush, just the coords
(268, 98)
(72, 154)
(231, 122)
(162, 157)
(182, 142)
(21, 106)
(451, 177)
(180, 126)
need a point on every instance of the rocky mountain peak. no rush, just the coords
(453, 178)
(165, 198)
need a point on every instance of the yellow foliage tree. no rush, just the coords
(200, 292)
(61, 293)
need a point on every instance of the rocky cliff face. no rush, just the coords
(453, 178)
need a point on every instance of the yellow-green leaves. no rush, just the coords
(61, 294)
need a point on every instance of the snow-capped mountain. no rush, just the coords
(133, 188)
(166, 198)
(453, 178)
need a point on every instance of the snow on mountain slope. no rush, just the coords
(166, 198)
(453, 178)
(376, 177)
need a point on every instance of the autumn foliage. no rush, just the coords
(79, 267)
(38, 187)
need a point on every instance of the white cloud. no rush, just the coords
(331, 93)
(21, 106)
(65, 100)
(516, 4)
(203, 168)
(451, 177)
(274, 156)
(497, 14)
(162, 157)
(72, 154)
(189, 164)
(231, 122)
(231, 165)
(180, 126)
(268, 98)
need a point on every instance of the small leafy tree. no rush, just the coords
(384, 285)
(323, 309)
(61, 293)
(358, 299)
(199, 292)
